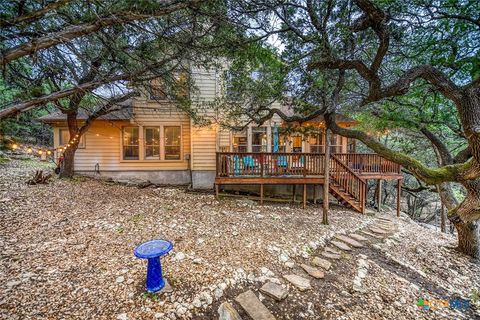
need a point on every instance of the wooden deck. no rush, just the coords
(348, 173)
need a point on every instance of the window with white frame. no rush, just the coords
(64, 138)
(259, 139)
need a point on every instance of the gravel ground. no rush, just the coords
(67, 253)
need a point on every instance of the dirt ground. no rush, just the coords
(67, 253)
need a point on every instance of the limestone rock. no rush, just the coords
(301, 283)
(319, 262)
(357, 237)
(350, 241)
(331, 255)
(314, 272)
(341, 245)
(227, 312)
(253, 306)
(274, 290)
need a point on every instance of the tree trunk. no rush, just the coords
(468, 232)
(67, 168)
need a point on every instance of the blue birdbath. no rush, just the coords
(152, 251)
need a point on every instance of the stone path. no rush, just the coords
(319, 266)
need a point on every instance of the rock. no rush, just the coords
(122, 316)
(314, 272)
(371, 234)
(378, 230)
(13, 283)
(301, 283)
(350, 241)
(180, 256)
(218, 293)
(331, 255)
(120, 279)
(167, 288)
(289, 264)
(358, 237)
(206, 297)
(253, 306)
(227, 312)
(331, 250)
(283, 257)
(196, 303)
(274, 290)
(341, 245)
(319, 262)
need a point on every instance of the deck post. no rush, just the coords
(379, 200)
(399, 192)
(326, 184)
(217, 190)
(261, 193)
(314, 194)
(304, 196)
(294, 193)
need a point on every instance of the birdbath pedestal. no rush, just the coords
(152, 251)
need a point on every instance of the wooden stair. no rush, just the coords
(346, 185)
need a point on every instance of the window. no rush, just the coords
(172, 136)
(317, 143)
(297, 144)
(130, 143)
(259, 139)
(239, 143)
(152, 143)
(64, 136)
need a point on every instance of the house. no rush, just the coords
(152, 139)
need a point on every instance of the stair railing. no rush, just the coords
(351, 183)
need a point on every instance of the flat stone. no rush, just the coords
(255, 309)
(319, 262)
(341, 245)
(301, 283)
(331, 250)
(371, 234)
(313, 272)
(227, 312)
(378, 230)
(274, 290)
(331, 255)
(350, 241)
(167, 288)
(357, 237)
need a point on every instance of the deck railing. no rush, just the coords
(368, 163)
(269, 164)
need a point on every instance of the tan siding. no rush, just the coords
(204, 141)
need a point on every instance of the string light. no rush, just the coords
(14, 146)
(29, 150)
(49, 152)
(40, 152)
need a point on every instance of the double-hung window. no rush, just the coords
(151, 136)
(172, 137)
(131, 146)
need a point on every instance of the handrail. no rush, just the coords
(348, 180)
(369, 163)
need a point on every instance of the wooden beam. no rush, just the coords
(294, 193)
(217, 190)
(304, 196)
(379, 199)
(261, 194)
(314, 194)
(326, 184)
(399, 192)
